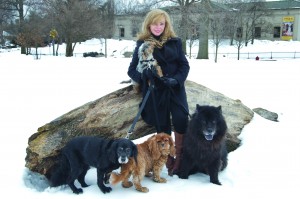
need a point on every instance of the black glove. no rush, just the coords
(147, 73)
(169, 81)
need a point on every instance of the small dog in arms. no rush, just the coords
(146, 61)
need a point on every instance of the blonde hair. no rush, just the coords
(155, 16)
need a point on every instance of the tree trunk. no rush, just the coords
(203, 46)
(216, 53)
(69, 49)
(21, 17)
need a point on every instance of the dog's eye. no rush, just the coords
(128, 150)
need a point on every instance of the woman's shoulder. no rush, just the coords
(139, 42)
(175, 39)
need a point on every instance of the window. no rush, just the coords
(122, 32)
(239, 32)
(134, 31)
(257, 32)
(276, 32)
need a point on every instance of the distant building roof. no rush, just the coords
(275, 5)
(282, 4)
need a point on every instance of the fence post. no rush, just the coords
(271, 55)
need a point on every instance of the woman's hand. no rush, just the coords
(169, 81)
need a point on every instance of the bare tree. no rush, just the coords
(192, 39)
(77, 20)
(255, 12)
(107, 22)
(16, 10)
(185, 14)
(133, 7)
(219, 28)
(4, 16)
(33, 33)
(238, 37)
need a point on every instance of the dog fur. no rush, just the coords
(204, 144)
(146, 62)
(83, 152)
(152, 156)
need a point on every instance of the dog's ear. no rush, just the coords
(219, 109)
(198, 108)
(172, 146)
(134, 153)
(153, 147)
(113, 150)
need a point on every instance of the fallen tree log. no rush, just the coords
(112, 115)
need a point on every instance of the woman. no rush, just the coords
(168, 102)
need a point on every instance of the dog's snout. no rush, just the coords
(123, 159)
(210, 130)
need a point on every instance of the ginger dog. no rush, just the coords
(152, 156)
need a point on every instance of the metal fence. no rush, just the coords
(244, 55)
(261, 55)
(248, 55)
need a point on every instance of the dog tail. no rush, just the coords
(59, 172)
(118, 177)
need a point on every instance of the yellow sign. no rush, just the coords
(287, 28)
(53, 34)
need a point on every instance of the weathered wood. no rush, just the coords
(112, 115)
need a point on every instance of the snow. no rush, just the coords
(266, 165)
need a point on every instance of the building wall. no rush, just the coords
(277, 20)
(128, 23)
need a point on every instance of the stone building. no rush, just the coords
(283, 21)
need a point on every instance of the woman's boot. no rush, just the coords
(176, 163)
(170, 165)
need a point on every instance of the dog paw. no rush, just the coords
(149, 174)
(78, 191)
(183, 176)
(216, 182)
(143, 189)
(83, 184)
(160, 180)
(127, 184)
(106, 189)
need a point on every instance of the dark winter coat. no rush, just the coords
(174, 64)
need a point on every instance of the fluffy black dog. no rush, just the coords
(204, 147)
(83, 152)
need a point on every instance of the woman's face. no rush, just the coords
(158, 28)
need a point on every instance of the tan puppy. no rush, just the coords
(152, 156)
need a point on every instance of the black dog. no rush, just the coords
(204, 147)
(84, 152)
